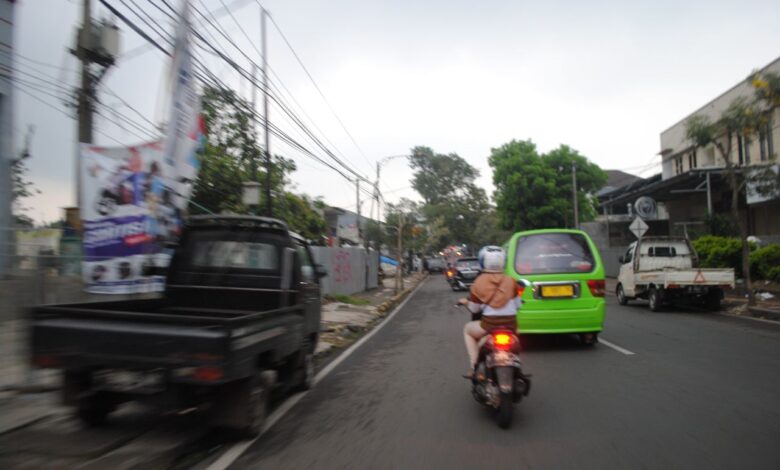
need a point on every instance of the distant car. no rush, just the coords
(435, 265)
(462, 275)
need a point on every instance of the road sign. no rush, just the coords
(638, 227)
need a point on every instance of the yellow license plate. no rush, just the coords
(558, 291)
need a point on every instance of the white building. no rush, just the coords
(679, 156)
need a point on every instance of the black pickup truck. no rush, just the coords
(239, 317)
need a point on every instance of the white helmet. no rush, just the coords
(492, 258)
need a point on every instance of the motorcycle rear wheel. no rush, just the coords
(505, 410)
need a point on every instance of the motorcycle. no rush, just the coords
(498, 380)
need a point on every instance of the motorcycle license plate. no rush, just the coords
(558, 291)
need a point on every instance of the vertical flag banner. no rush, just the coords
(133, 198)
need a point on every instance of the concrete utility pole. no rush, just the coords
(357, 220)
(574, 195)
(91, 48)
(399, 275)
(268, 205)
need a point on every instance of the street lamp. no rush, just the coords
(250, 195)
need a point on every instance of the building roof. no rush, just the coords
(616, 179)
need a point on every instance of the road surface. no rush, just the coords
(676, 389)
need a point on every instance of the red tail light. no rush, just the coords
(597, 287)
(502, 341)
(207, 374)
(520, 289)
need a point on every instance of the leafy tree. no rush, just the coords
(534, 191)
(452, 203)
(744, 117)
(232, 156)
(21, 187)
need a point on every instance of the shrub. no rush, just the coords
(773, 274)
(720, 252)
(764, 261)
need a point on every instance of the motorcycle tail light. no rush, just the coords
(597, 287)
(502, 341)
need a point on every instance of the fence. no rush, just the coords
(350, 270)
(34, 280)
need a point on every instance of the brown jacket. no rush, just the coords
(496, 290)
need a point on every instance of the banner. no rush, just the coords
(132, 203)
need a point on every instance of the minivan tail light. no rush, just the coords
(597, 287)
(520, 289)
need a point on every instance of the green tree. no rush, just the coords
(21, 187)
(535, 191)
(745, 117)
(232, 156)
(452, 203)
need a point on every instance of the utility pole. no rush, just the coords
(255, 175)
(268, 206)
(399, 276)
(92, 47)
(357, 194)
(574, 195)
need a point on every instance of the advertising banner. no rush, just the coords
(132, 203)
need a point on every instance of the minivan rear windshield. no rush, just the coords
(553, 253)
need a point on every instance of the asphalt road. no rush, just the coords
(700, 391)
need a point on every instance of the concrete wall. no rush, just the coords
(609, 254)
(350, 270)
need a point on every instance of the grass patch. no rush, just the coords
(347, 299)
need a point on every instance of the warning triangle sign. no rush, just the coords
(699, 279)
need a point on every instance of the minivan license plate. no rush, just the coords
(558, 291)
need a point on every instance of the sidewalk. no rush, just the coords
(342, 323)
(733, 304)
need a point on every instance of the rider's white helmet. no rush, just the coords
(492, 258)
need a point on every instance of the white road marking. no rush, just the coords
(744, 317)
(615, 347)
(234, 452)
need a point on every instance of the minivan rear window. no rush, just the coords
(553, 253)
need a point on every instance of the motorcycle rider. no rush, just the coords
(495, 295)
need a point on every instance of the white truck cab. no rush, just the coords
(664, 270)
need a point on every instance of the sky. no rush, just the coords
(605, 78)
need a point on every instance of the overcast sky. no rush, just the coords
(603, 77)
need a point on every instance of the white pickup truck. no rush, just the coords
(663, 270)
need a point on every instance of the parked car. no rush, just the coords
(240, 316)
(663, 270)
(567, 273)
(435, 265)
(463, 273)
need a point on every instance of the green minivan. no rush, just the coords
(568, 282)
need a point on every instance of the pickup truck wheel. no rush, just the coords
(240, 408)
(304, 370)
(621, 295)
(94, 410)
(654, 296)
(713, 300)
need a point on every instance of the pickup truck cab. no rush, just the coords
(239, 317)
(663, 270)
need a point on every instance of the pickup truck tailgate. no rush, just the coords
(687, 277)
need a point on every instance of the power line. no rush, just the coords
(209, 77)
(300, 62)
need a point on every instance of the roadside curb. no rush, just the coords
(764, 313)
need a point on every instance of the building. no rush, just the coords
(692, 188)
(7, 9)
(704, 166)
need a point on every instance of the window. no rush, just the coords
(678, 165)
(692, 163)
(629, 255)
(553, 253)
(307, 266)
(740, 150)
(235, 254)
(747, 150)
(662, 251)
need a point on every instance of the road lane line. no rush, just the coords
(235, 451)
(615, 347)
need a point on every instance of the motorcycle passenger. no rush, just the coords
(495, 295)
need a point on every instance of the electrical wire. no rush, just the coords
(300, 62)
